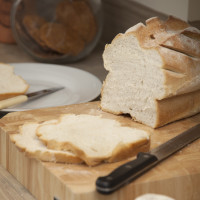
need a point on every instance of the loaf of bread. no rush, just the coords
(27, 141)
(93, 139)
(10, 83)
(154, 71)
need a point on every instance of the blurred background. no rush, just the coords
(113, 17)
(121, 15)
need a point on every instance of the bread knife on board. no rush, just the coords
(129, 171)
(26, 97)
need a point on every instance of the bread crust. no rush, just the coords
(7, 95)
(184, 44)
(129, 150)
(41, 154)
(177, 107)
(10, 95)
(181, 72)
(120, 152)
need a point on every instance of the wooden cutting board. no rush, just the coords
(177, 177)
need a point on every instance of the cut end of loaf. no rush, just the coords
(27, 141)
(134, 79)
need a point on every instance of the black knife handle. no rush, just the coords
(125, 173)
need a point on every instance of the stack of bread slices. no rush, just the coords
(80, 139)
(154, 72)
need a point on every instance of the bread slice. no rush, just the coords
(94, 139)
(11, 84)
(27, 141)
(154, 72)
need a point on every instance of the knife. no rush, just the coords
(129, 171)
(26, 97)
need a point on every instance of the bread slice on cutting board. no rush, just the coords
(93, 139)
(27, 141)
(154, 71)
(10, 83)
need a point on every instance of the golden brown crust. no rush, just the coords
(48, 155)
(178, 107)
(54, 157)
(157, 31)
(10, 95)
(120, 152)
(127, 151)
(181, 72)
(173, 33)
(13, 94)
(183, 44)
(175, 24)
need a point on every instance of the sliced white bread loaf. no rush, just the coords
(154, 72)
(94, 139)
(27, 141)
(10, 83)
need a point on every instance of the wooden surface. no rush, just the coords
(10, 189)
(178, 176)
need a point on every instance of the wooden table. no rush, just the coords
(10, 188)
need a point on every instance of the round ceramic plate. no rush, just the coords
(79, 86)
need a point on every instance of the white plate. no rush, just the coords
(80, 86)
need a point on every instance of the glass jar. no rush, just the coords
(57, 31)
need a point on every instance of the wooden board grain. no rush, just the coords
(177, 177)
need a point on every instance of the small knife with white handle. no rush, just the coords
(26, 97)
(145, 161)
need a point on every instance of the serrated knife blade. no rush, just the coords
(145, 161)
